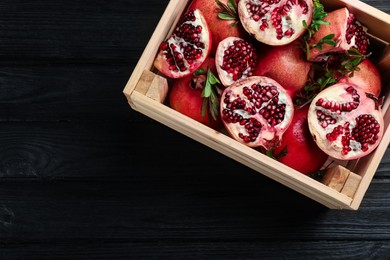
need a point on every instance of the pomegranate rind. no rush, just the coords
(269, 136)
(161, 63)
(226, 77)
(286, 64)
(298, 143)
(293, 19)
(367, 78)
(347, 120)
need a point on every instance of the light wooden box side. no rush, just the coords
(305, 185)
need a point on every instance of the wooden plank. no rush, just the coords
(65, 92)
(177, 206)
(85, 32)
(121, 249)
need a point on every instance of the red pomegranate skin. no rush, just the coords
(302, 153)
(219, 29)
(286, 64)
(367, 78)
(188, 100)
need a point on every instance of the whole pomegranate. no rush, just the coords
(219, 28)
(187, 48)
(367, 78)
(286, 64)
(256, 111)
(346, 123)
(298, 149)
(235, 60)
(185, 96)
(275, 22)
(348, 33)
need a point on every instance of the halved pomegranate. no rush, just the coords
(275, 22)
(187, 48)
(256, 111)
(348, 34)
(235, 60)
(346, 123)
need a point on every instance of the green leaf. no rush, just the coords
(354, 51)
(304, 24)
(319, 22)
(233, 24)
(220, 4)
(320, 81)
(330, 42)
(204, 107)
(328, 37)
(210, 96)
(225, 16)
(309, 87)
(307, 50)
(199, 71)
(207, 90)
(270, 153)
(214, 105)
(356, 61)
(212, 78)
(232, 5)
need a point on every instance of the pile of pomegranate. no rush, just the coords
(281, 76)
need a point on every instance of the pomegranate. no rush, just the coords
(187, 48)
(367, 78)
(219, 28)
(286, 64)
(185, 96)
(348, 33)
(346, 123)
(235, 60)
(298, 149)
(275, 22)
(256, 111)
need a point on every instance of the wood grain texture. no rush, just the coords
(82, 176)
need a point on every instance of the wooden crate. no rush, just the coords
(343, 189)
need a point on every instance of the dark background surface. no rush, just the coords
(84, 176)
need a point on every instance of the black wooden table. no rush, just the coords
(82, 175)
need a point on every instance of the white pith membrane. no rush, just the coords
(339, 95)
(342, 42)
(224, 76)
(176, 41)
(293, 20)
(268, 135)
